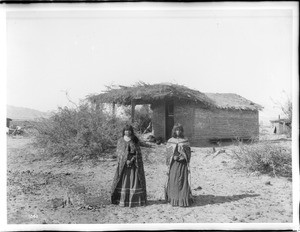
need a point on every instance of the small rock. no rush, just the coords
(76, 158)
(256, 173)
(234, 218)
(79, 189)
(93, 201)
(242, 220)
(57, 202)
(268, 183)
(198, 188)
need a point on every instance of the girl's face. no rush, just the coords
(127, 133)
(178, 132)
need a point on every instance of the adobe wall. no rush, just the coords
(225, 124)
(201, 125)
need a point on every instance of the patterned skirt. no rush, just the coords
(178, 189)
(129, 191)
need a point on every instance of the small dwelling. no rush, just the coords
(8, 120)
(281, 126)
(206, 117)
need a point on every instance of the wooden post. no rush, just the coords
(114, 109)
(97, 105)
(132, 110)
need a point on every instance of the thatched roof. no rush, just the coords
(146, 94)
(143, 93)
(232, 101)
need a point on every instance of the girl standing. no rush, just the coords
(129, 183)
(177, 190)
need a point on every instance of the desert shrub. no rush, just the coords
(265, 158)
(80, 131)
(142, 117)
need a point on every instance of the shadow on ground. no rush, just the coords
(212, 199)
(156, 202)
(203, 200)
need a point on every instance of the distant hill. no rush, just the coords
(23, 113)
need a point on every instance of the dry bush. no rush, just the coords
(80, 131)
(142, 117)
(265, 158)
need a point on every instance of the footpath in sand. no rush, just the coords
(54, 191)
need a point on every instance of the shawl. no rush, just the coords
(183, 147)
(122, 152)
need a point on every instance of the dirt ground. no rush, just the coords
(53, 191)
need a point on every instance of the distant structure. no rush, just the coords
(281, 126)
(206, 117)
(8, 120)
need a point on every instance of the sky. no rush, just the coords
(52, 51)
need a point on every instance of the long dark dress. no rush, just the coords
(129, 184)
(178, 191)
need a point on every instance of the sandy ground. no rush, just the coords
(37, 188)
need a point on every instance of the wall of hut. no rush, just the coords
(184, 113)
(204, 125)
(222, 124)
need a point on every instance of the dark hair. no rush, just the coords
(130, 128)
(176, 127)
